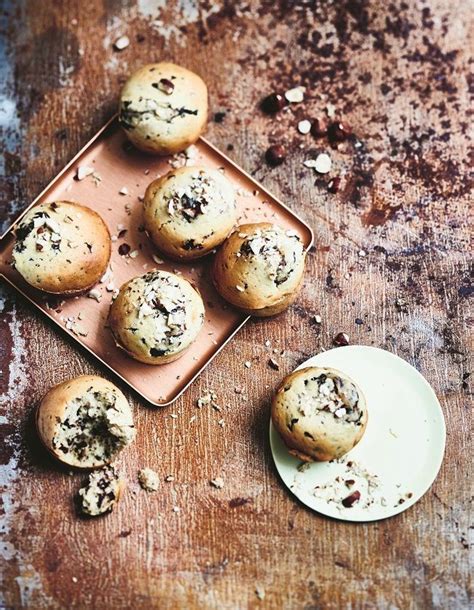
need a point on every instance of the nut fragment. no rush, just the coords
(323, 163)
(164, 85)
(121, 43)
(341, 339)
(295, 95)
(275, 155)
(273, 103)
(304, 127)
(351, 499)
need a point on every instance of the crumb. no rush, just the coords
(83, 171)
(95, 294)
(274, 364)
(148, 479)
(260, 593)
(218, 482)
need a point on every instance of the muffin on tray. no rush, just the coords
(259, 268)
(61, 247)
(156, 317)
(189, 211)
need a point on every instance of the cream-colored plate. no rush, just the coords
(399, 455)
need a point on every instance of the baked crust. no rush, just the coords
(62, 247)
(259, 268)
(189, 211)
(163, 108)
(301, 413)
(156, 317)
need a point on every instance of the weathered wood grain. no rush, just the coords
(397, 74)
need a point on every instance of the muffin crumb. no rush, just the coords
(148, 479)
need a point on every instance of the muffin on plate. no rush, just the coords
(320, 413)
(85, 422)
(101, 492)
(259, 268)
(61, 247)
(189, 211)
(163, 108)
(156, 317)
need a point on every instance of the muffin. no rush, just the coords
(259, 268)
(61, 247)
(163, 108)
(189, 211)
(156, 317)
(85, 422)
(320, 413)
(101, 492)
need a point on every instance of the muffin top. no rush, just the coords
(61, 247)
(156, 315)
(259, 265)
(319, 412)
(189, 211)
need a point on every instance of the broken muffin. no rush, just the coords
(320, 413)
(85, 422)
(101, 492)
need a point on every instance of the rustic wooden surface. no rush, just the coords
(396, 72)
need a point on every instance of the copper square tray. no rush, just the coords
(117, 165)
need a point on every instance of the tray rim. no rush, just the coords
(76, 339)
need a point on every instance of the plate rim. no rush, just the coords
(273, 434)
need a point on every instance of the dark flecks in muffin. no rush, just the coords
(265, 246)
(292, 423)
(88, 428)
(130, 117)
(156, 353)
(333, 395)
(190, 244)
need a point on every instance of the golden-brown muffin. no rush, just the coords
(259, 268)
(85, 422)
(320, 413)
(62, 247)
(189, 211)
(163, 108)
(156, 317)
